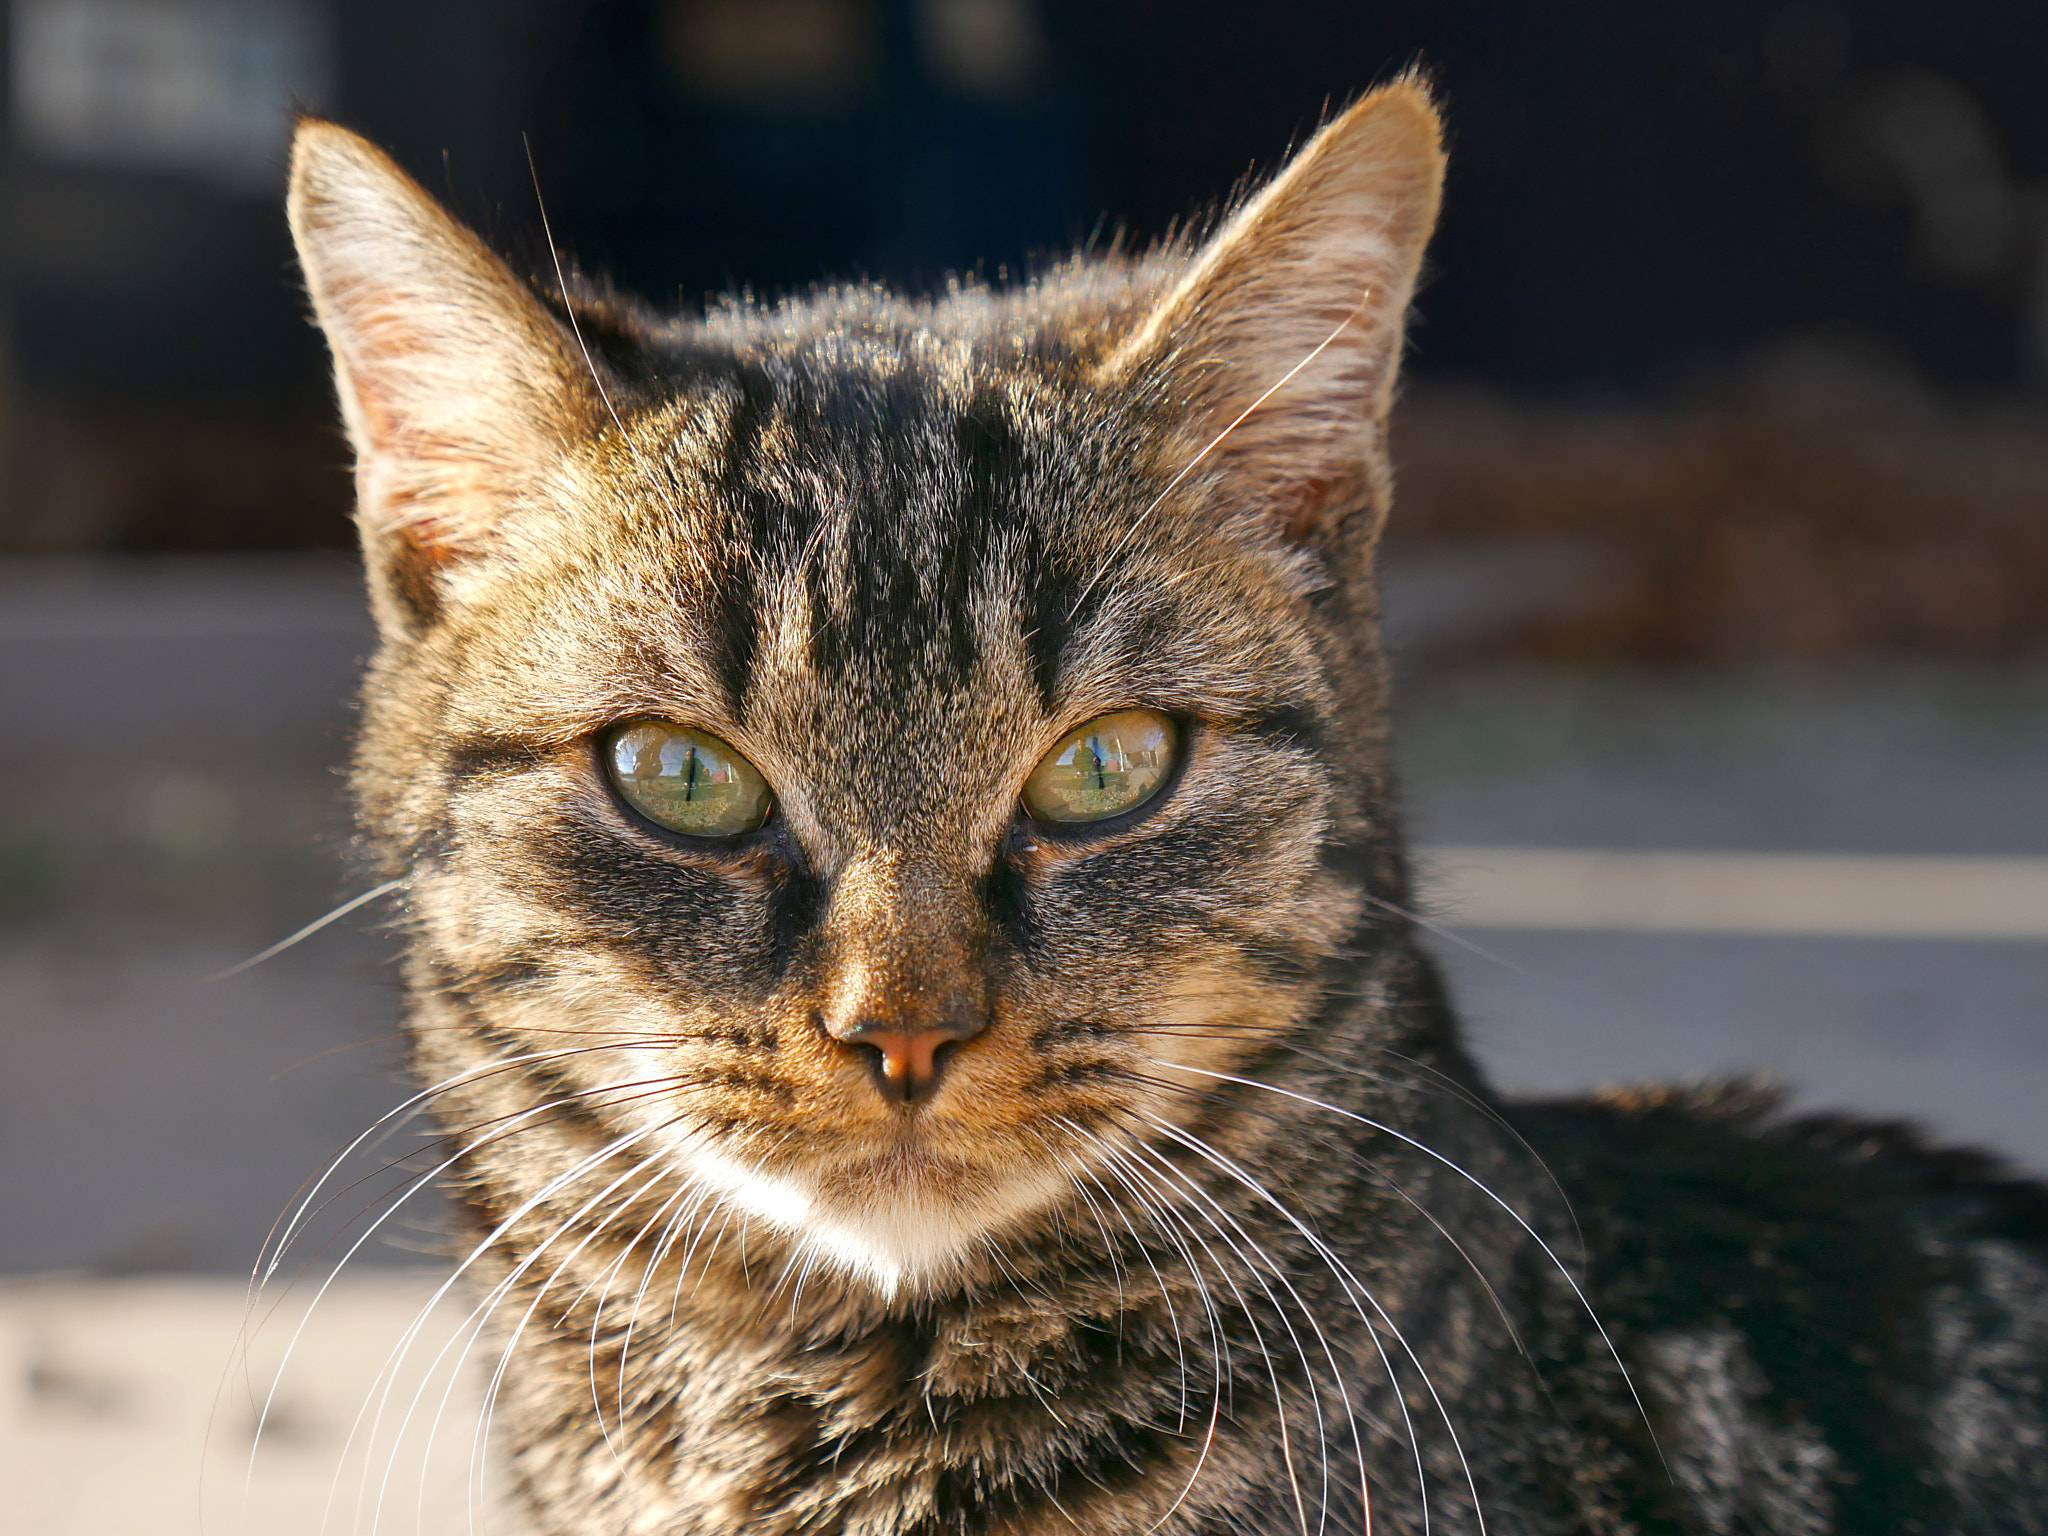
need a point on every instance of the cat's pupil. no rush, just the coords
(658, 761)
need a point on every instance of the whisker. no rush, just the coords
(311, 928)
(1466, 1096)
(1109, 1250)
(1451, 935)
(1222, 1376)
(503, 1126)
(655, 483)
(1353, 1156)
(333, 1050)
(1279, 1400)
(1350, 1280)
(480, 1442)
(470, 1332)
(662, 1245)
(491, 1239)
(460, 1079)
(1337, 1373)
(597, 1318)
(261, 1275)
(423, 1181)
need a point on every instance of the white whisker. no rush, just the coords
(1350, 1281)
(421, 1181)
(497, 1234)
(597, 1319)
(312, 928)
(1279, 1400)
(1451, 935)
(480, 1442)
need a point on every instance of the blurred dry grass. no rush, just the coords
(1805, 528)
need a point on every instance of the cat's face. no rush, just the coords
(886, 562)
(893, 615)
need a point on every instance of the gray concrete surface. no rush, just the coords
(1908, 758)
(243, 646)
(134, 1405)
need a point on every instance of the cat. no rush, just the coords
(910, 946)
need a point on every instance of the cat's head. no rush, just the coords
(876, 751)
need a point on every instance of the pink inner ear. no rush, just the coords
(419, 482)
(1284, 335)
(411, 491)
(434, 540)
(377, 423)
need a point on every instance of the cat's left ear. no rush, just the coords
(1285, 334)
(459, 388)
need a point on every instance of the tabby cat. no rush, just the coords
(910, 944)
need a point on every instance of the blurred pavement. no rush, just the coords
(133, 1406)
(1907, 759)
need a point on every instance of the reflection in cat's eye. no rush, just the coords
(686, 780)
(1113, 764)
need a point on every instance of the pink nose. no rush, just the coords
(908, 1062)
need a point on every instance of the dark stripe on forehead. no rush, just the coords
(917, 537)
(735, 602)
(1058, 604)
(993, 463)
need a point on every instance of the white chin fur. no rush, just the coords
(897, 1235)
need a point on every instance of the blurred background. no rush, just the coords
(1719, 575)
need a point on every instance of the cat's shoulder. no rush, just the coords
(1726, 1159)
(1830, 1311)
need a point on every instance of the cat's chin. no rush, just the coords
(903, 1219)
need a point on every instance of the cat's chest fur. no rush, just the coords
(909, 942)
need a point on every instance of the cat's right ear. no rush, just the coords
(1282, 338)
(458, 387)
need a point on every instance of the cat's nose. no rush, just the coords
(906, 1061)
(901, 981)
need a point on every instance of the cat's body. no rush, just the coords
(906, 1161)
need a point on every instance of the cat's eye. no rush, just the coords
(686, 780)
(1113, 764)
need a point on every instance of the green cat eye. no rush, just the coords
(1113, 764)
(686, 780)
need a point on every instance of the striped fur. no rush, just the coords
(1213, 1226)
